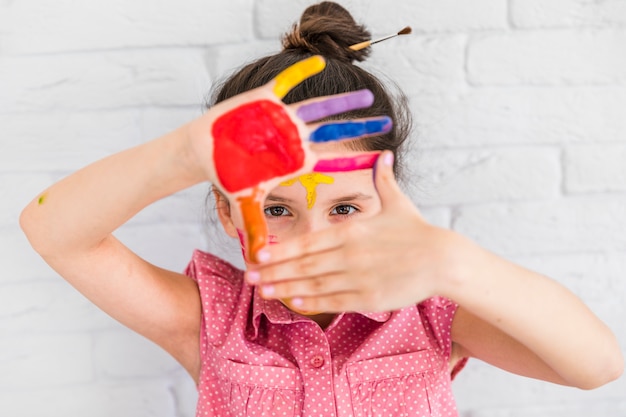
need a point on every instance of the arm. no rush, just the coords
(511, 317)
(528, 324)
(70, 225)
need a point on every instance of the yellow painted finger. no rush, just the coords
(295, 74)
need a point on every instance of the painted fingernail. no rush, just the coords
(268, 290)
(253, 276)
(388, 159)
(263, 255)
(297, 302)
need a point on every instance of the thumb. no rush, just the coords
(385, 182)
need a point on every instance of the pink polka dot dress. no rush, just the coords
(261, 359)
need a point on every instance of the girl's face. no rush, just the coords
(311, 203)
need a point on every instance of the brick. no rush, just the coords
(185, 394)
(548, 58)
(48, 306)
(567, 13)
(520, 115)
(165, 77)
(187, 206)
(477, 176)
(591, 276)
(155, 122)
(19, 261)
(574, 408)
(137, 399)
(166, 245)
(422, 65)
(592, 168)
(64, 141)
(565, 225)
(381, 19)
(223, 60)
(19, 189)
(44, 360)
(40, 27)
(474, 390)
(123, 354)
(436, 216)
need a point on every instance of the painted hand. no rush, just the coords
(386, 262)
(258, 142)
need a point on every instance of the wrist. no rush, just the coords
(196, 151)
(462, 260)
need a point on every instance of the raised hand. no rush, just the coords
(258, 142)
(385, 262)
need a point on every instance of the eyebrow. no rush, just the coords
(351, 197)
(278, 199)
(342, 199)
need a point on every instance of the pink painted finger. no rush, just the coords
(335, 105)
(349, 163)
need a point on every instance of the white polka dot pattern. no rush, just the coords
(261, 359)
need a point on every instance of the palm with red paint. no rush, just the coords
(257, 142)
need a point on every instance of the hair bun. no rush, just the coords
(329, 30)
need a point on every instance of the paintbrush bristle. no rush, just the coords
(405, 31)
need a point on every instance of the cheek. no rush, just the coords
(272, 239)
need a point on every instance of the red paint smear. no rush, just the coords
(253, 143)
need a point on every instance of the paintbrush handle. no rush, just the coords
(360, 45)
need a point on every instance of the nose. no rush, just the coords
(312, 223)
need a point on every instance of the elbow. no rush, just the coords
(603, 373)
(33, 230)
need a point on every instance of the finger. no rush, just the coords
(348, 163)
(386, 185)
(310, 287)
(317, 109)
(301, 268)
(350, 130)
(301, 246)
(331, 303)
(296, 73)
(254, 225)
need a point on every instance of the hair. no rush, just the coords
(328, 29)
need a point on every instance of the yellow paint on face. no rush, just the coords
(42, 199)
(295, 74)
(309, 182)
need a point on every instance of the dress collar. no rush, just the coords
(277, 313)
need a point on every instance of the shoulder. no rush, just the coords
(205, 266)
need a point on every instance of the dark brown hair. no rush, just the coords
(328, 29)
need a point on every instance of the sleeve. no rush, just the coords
(438, 315)
(219, 284)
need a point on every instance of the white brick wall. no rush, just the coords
(520, 111)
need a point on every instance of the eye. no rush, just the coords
(276, 211)
(344, 210)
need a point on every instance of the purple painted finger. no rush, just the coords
(350, 163)
(335, 105)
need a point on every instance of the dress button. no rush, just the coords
(317, 361)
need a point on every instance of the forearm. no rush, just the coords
(541, 314)
(81, 210)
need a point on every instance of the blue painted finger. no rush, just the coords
(347, 130)
(335, 105)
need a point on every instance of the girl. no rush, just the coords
(357, 306)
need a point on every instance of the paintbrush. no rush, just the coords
(361, 45)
